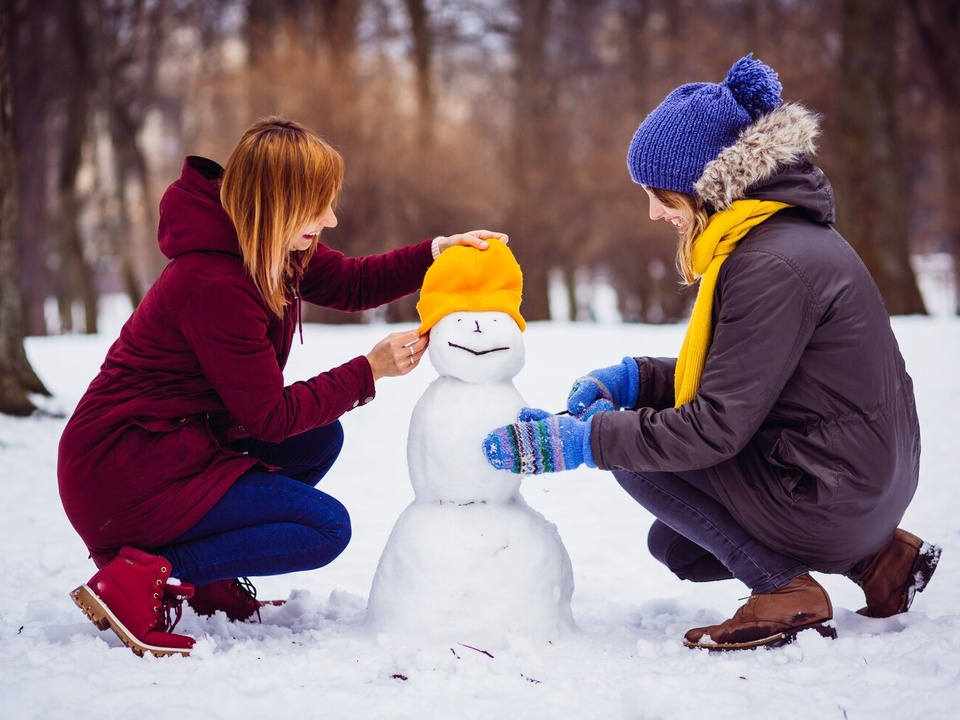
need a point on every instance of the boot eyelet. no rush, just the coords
(159, 583)
(162, 569)
(156, 609)
(156, 596)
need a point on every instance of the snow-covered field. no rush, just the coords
(312, 659)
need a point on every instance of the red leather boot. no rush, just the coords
(134, 596)
(237, 598)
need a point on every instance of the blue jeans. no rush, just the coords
(698, 539)
(269, 523)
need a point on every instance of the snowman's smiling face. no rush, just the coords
(477, 346)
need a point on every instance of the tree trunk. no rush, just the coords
(531, 158)
(938, 25)
(29, 63)
(952, 122)
(262, 23)
(422, 60)
(130, 164)
(76, 283)
(17, 378)
(872, 212)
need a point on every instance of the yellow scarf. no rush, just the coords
(719, 238)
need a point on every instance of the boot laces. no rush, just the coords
(245, 586)
(171, 611)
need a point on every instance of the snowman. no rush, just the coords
(468, 560)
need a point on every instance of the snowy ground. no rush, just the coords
(311, 658)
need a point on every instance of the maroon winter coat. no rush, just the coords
(200, 363)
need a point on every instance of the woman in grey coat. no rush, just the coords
(784, 438)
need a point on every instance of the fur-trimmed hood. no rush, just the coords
(782, 138)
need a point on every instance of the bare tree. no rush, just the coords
(76, 61)
(938, 25)
(131, 35)
(872, 187)
(533, 156)
(422, 60)
(30, 58)
(509, 114)
(281, 35)
(17, 378)
(75, 281)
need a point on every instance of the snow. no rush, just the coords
(311, 657)
(469, 561)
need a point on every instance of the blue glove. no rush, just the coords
(609, 388)
(534, 447)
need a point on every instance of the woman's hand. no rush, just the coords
(474, 238)
(397, 354)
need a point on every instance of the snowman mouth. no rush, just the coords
(476, 352)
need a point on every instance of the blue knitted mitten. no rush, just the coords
(609, 388)
(534, 447)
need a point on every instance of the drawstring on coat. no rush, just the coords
(295, 289)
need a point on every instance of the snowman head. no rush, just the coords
(470, 305)
(477, 346)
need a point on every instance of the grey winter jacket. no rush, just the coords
(805, 418)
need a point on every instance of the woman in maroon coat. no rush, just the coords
(189, 463)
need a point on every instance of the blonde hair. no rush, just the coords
(279, 178)
(695, 215)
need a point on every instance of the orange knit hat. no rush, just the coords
(465, 279)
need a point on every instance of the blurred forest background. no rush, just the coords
(510, 115)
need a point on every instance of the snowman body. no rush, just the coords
(468, 560)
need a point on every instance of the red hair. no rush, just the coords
(279, 178)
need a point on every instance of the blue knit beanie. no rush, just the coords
(695, 122)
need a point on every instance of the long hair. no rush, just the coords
(695, 215)
(279, 178)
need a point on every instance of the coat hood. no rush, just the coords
(769, 161)
(191, 216)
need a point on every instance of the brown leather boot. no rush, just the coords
(770, 619)
(891, 578)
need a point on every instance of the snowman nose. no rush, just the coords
(477, 323)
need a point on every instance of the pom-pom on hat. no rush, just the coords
(695, 122)
(466, 279)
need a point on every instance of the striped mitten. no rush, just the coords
(552, 444)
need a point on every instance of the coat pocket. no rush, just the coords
(815, 468)
(162, 425)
